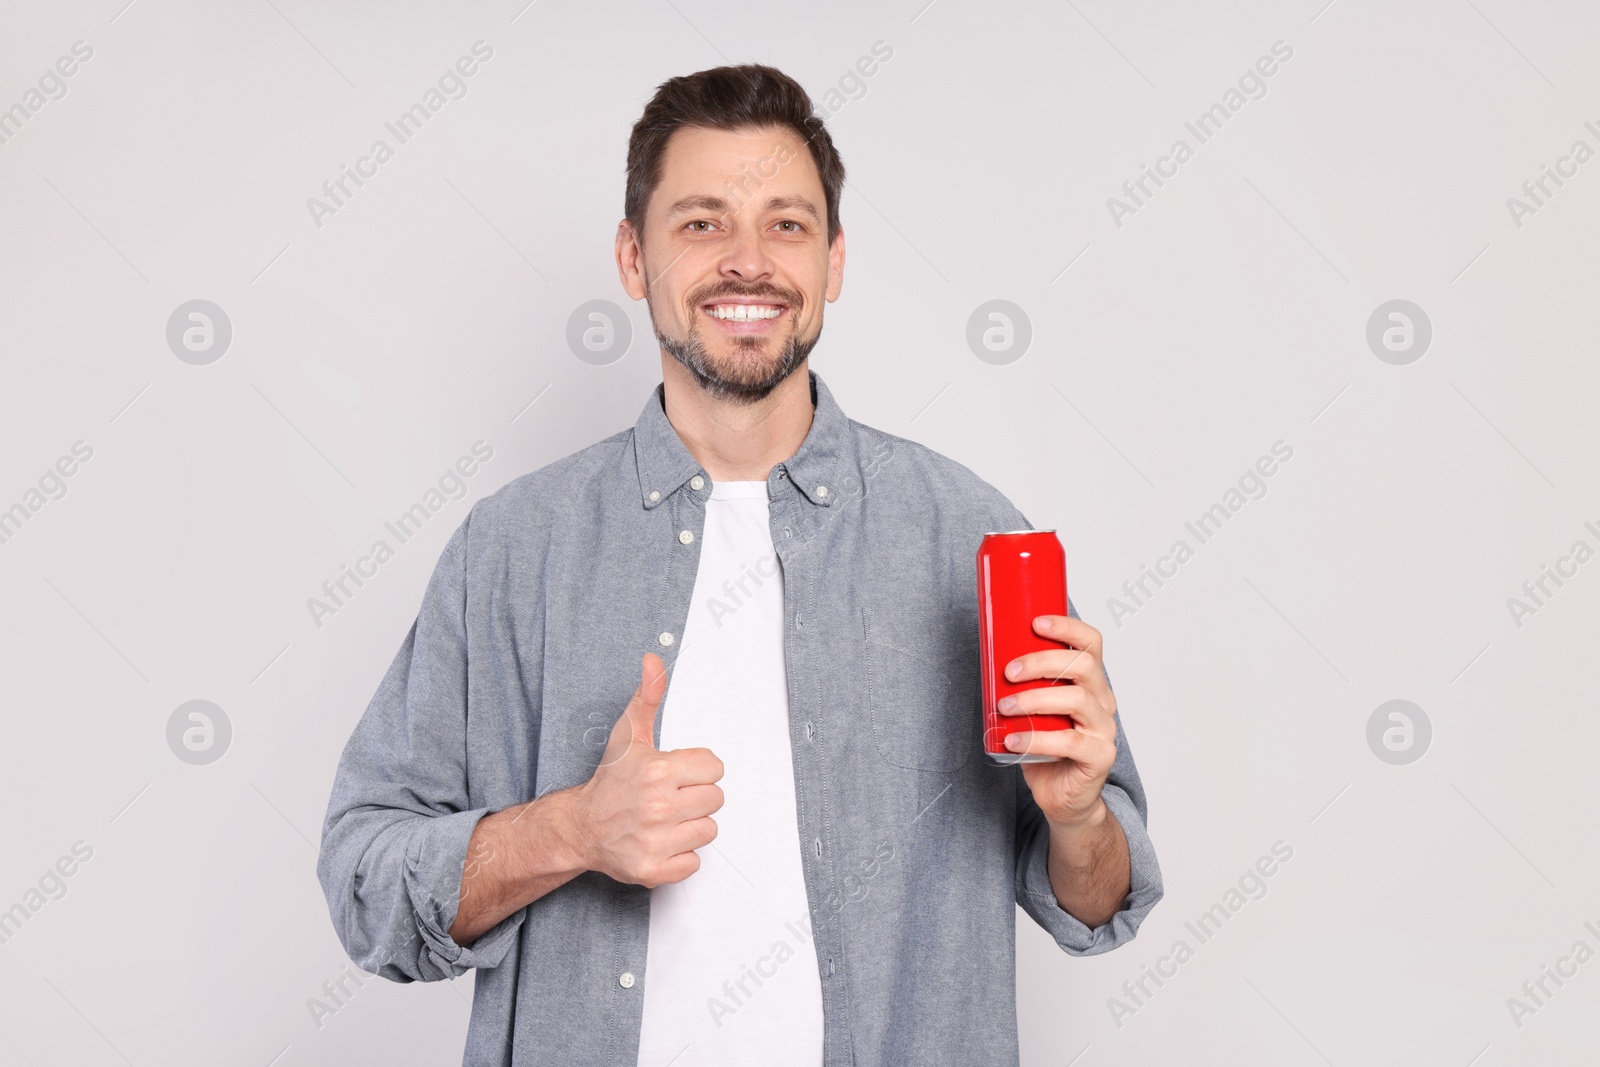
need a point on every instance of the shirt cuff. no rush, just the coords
(1038, 898)
(435, 857)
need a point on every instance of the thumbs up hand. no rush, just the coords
(644, 812)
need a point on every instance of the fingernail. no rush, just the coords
(1042, 622)
(1013, 669)
(1006, 704)
(1013, 741)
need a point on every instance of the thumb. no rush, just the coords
(636, 725)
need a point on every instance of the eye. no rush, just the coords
(790, 226)
(695, 226)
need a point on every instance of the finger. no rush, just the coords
(1075, 745)
(1076, 701)
(675, 869)
(1073, 700)
(694, 766)
(646, 701)
(698, 801)
(1073, 632)
(635, 727)
(691, 834)
(1057, 665)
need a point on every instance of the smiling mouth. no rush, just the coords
(743, 312)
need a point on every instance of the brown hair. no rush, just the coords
(728, 98)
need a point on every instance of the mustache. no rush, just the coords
(707, 294)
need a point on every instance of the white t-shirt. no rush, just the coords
(731, 970)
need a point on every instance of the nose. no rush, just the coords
(745, 256)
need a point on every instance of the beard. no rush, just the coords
(745, 377)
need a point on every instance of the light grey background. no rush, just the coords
(1167, 354)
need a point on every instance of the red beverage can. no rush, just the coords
(1022, 574)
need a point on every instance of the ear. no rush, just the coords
(630, 261)
(836, 266)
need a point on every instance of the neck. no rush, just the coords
(736, 441)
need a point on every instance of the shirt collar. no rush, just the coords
(665, 464)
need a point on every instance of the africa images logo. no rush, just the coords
(452, 85)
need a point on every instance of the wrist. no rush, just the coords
(562, 817)
(1074, 822)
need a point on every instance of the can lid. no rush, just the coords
(1008, 533)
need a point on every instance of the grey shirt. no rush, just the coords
(914, 845)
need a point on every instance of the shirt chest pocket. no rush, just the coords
(922, 695)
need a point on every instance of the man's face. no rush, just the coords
(733, 257)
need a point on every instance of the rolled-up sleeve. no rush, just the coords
(1124, 797)
(399, 820)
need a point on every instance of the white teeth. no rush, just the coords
(744, 312)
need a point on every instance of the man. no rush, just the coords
(794, 850)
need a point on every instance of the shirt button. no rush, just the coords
(787, 532)
(822, 490)
(625, 980)
(697, 482)
(686, 537)
(655, 494)
(665, 639)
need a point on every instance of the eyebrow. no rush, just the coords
(703, 202)
(698, 203)
(794, 202)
